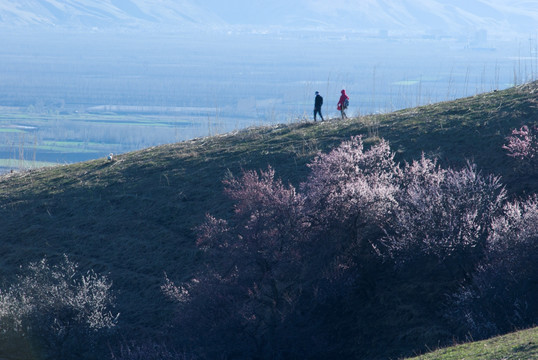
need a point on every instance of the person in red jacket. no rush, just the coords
(343, 103)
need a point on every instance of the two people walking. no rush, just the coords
(343, 103)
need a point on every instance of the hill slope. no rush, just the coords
(133, 218)
(522, 345)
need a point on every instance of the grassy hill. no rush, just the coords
(133, 218)
(521, 345)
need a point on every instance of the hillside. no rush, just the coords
(133, 218)
(521, 345)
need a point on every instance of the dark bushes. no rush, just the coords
(502, 294)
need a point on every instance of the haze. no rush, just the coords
(120, 75)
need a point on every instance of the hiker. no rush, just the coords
(318, 102)
(343, 103)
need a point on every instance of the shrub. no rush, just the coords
(349, 196)
(442, 214)
(350, 186)
(148, 351)
(58, 307)
(250, 284)
(501, 296)
(289, 270)
(523, 145)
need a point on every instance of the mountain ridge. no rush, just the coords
(443, 17)
(105, 14)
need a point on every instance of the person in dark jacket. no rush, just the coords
(318, 102)
(343, 103)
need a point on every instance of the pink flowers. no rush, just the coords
(523, 145)
(285, 255)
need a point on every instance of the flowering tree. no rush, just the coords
(350, 185)
(286, 261)
(523, 145)
(283, 249)
(501, 296)
(57, 307)
(253, 262)
(442, 213)
(349, 196)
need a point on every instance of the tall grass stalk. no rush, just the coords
(21, 150)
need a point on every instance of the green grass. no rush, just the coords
(25, 164)
(72, 146)
(44, 120)
(521, 345)
(31, 132)
(133, 218)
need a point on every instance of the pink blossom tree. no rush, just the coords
(57, 307)
(501, 296)
(279, 265)
(350, 185)
(523, 146)
(442, 213)
(254, 263)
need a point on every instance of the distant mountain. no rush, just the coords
(106, 13)
(439, 16)
(423, 16)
